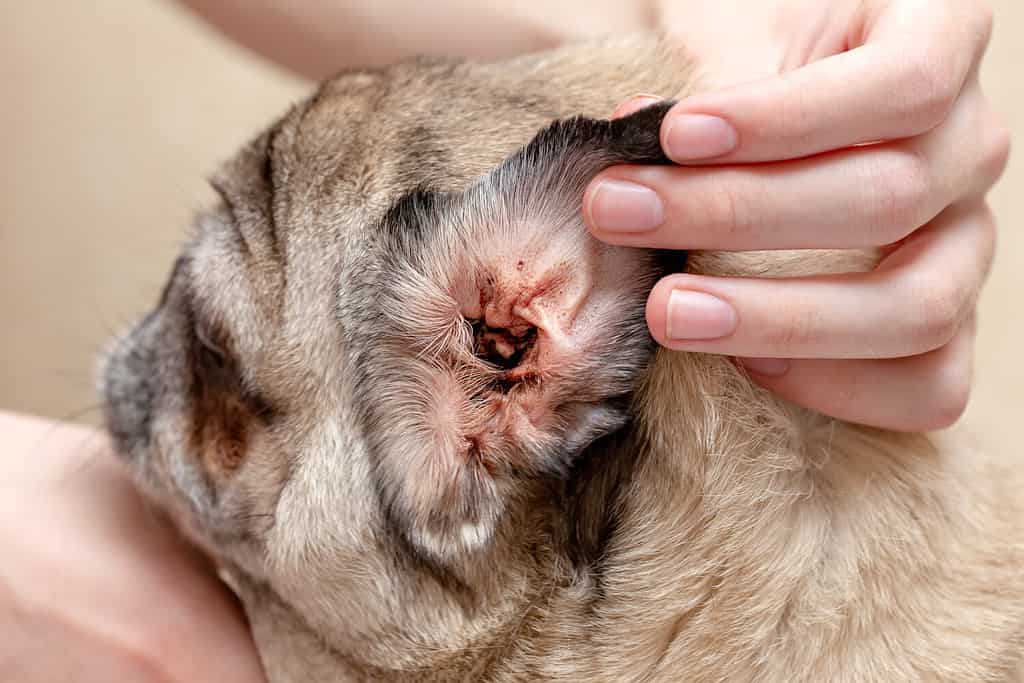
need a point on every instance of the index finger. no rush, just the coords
(901, 82)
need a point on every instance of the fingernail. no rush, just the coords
(690, 137)
(769, 367)
(633, 105)
(621, 206)
(696, 315)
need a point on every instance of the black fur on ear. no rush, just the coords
(552, 169)
(566, 143)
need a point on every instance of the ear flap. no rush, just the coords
(245, 181)
(246, 186)
(547, 175)
(507, 338)
(562, 158)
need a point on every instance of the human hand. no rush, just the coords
(94, 586)
(776, 159)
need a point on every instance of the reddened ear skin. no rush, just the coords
(504, 339)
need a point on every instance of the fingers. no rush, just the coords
(900, 82)
(860, 197)
(910, 88)
(920, 393)
(857, 198)
(912, 303)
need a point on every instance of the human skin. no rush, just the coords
(797, 86)
(890, 348)
(95, 585)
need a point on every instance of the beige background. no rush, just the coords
(112, 113)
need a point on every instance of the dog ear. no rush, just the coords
(245, 182)
(562, 158)
(246, 185)
(505, 338)
(546, 176)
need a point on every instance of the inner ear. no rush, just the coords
(505, 339)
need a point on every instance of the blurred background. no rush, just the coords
(115, 112)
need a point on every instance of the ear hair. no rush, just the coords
(451, 453)
(545, 177)
(569, 152)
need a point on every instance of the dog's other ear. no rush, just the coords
(245, 182)
(506, 339)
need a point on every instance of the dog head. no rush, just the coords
(381, 353)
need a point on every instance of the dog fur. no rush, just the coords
(410, 408)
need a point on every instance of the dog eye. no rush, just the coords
(206, 341)
(208, 344)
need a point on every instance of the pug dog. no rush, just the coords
(412, 411)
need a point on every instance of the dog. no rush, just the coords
(412, 411)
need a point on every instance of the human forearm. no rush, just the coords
(316, 39)
(95, 585)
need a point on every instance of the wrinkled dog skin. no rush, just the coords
(412, 410)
